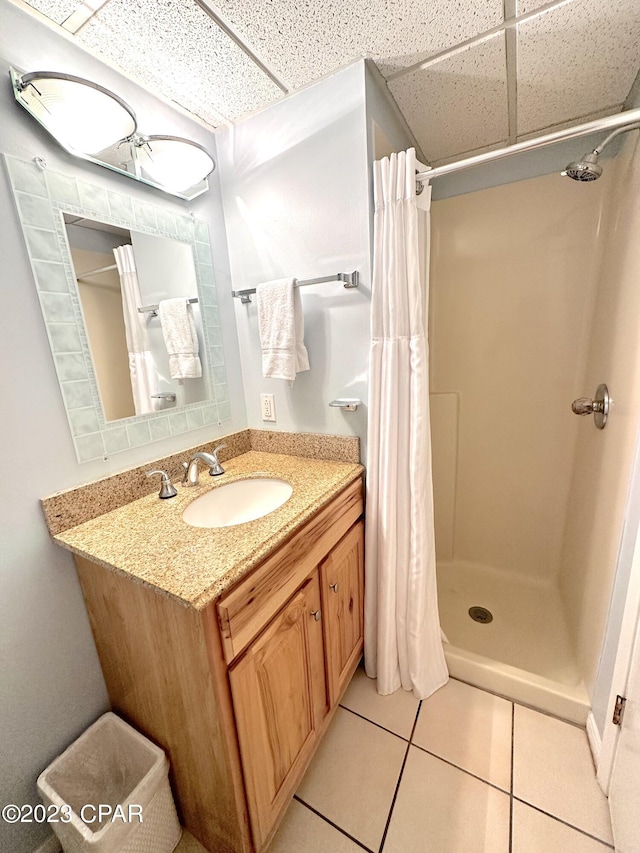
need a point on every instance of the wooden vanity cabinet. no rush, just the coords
(342, 579)
(280, 701)
(240, 693)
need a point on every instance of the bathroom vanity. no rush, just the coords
(230, 648)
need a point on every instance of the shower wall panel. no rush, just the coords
(513, 277)
(444, 437)
(603, 458)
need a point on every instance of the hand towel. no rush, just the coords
(281, 328)
(180, 338)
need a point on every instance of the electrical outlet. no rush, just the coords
(268, 407)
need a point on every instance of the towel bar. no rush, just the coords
(153, 309)
(348, 279)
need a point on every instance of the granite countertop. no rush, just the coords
(148, 541)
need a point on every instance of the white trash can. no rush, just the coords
(113, 783)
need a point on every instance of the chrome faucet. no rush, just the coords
(191, 468)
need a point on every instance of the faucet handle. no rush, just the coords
(167, 489)
(216, 469)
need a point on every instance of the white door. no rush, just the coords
(619, 753)
(624, 787)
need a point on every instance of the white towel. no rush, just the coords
(180, 339)
(281, 328)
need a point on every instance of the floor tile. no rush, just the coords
(302, 831)
(396, 712)
(440, 808)
(353, 776)
(470, 728)
(553, 770)
(534, 832)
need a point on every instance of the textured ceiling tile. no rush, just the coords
(301, 41)
(614, 108)
(57, 10)
(175, 49)
(459, 104)
(576, 60)
(525, 6)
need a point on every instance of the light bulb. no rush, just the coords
(174, 163)
(83, 116)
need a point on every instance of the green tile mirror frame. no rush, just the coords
(42, 197)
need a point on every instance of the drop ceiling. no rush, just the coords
(467, 76)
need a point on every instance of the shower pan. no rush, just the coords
(524, 652)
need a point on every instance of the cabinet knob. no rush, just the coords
(334, 586)
(316, 615)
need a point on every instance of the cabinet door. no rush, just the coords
(342, 576)
(280, 700)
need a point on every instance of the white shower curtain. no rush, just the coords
(403, 646)
(144, 377)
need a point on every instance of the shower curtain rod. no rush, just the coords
(601, 124)
(89, 273)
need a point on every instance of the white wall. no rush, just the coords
(387, 129)
(295, 185)
(50, 681)
(297, 182)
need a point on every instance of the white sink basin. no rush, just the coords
(238, 502)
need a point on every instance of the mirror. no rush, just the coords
(161, 269)
(49, 203)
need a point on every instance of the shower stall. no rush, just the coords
(534, 302)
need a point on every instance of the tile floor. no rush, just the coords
(461, 772)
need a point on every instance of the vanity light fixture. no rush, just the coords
(91, 122)
(174, 162)
(82, 115)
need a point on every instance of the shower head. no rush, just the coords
(588, 168)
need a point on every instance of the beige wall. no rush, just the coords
(603, 459)
(101, 300)
(513, 279)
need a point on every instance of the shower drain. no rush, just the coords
(481, 614)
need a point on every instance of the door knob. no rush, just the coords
(334, 586)
(598, 407)
(316, 615)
